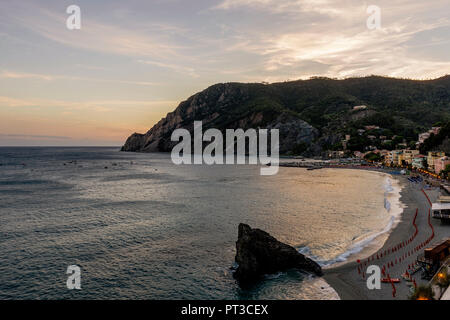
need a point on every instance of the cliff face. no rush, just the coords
(258, 253)
(312, 115)
(226, 106)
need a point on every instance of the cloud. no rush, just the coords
(95, 105)
(174, 67)
(153, 41)
(322, 7)
(21, 75)
(330, 38)
(51, 77)
(34, 136)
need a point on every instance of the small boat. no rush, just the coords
(387, 280)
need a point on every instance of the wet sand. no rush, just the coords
(349, 284)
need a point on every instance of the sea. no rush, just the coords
(140, 227)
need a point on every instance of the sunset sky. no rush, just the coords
(134, 61)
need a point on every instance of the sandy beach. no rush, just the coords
(349, 284)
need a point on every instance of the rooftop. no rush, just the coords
(440, 206)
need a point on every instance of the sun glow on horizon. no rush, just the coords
(132, 63)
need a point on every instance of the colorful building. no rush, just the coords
(408, 156)
(440, 164)
(432, 157)
(417, 161)
(393, 157)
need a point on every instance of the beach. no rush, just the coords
(349, 283)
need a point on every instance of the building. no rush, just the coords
(392, 157)
(433, 257)
(372, 127)
(384, 153)
(432, 157)
(435, 130)
(425, 135)
(362, 107)
(417, 161)
(345, 141)
(400, 159)
(358, 154)
(408, 155)
(336, 154)
(440, 210)
(438, 253)
(440, 164)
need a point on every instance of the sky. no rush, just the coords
(133, 61)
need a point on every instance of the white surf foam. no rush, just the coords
(393, 207)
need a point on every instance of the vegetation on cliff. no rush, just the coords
(438, 142)
(316, 113)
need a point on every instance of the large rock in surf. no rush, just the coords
(258, 253)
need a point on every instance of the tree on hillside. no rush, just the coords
(374, 157)
(446, 172)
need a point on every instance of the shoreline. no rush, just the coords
(374, 241)
(344, 277)
(344, 289)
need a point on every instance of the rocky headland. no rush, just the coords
(313, 116)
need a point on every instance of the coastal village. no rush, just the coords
(417, 267)
(434, 163)
(429, 171)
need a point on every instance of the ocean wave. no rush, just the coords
(359, 245)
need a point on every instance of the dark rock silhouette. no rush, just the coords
(258, 253)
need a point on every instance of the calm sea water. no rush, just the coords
(140, 227)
